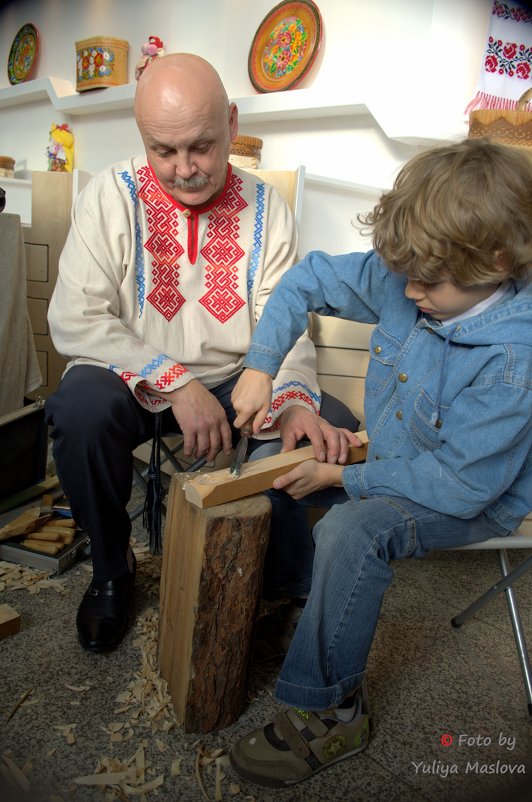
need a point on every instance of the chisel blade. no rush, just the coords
(241, 450)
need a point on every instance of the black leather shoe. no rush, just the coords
(105, 612)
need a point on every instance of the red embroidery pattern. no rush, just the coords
(175, 372)
(297, 394)
(222, 252)
(508, 58)
(163, 246)
(165, 296)
(126, 375)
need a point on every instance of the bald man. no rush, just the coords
(169, 261)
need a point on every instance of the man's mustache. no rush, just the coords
(196, 182)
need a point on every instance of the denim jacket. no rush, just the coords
(448, 407)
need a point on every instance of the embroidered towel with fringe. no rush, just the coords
(506, 71)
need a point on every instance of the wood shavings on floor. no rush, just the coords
(143, 718)
(13, 775)
(146, 699)
(21, 577)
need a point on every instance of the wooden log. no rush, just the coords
(210, 588)
(218, 487)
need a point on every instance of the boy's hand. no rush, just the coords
(252, 397)
(309, 477)
(330, 443)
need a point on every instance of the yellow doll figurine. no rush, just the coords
(61, 149)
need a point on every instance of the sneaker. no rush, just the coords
(298, 744)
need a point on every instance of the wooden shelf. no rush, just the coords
(64, 97)
(341, 184)
(297, 104)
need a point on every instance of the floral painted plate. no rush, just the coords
(23, 54)
(285, 46)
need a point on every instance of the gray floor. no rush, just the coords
(109, 713)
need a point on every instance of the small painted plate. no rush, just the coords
(285, 46)
(23, 54)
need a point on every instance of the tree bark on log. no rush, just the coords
(210, 589)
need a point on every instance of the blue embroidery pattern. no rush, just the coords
(153, 365)
(283, 388)
(139, 261)
(257, 238)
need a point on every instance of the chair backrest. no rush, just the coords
(289, 184)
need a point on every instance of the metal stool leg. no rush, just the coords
(519, 635)
(508, 577)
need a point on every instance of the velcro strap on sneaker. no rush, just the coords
(294, 738)
(291, 735)
(312, 722)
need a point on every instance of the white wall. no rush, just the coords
(411, 64)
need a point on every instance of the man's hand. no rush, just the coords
(202, 419)
(309, 477)
(330, 443)
(252, 397)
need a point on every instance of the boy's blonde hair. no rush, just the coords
(459, 212)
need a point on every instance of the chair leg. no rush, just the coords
(169, 454)
(503, 584)
(508, 577)
(519, 635)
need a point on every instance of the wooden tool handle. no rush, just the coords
(523, 100)
(247, 429)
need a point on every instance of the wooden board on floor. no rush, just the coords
(210, 589)
(219, 487)
(9, 621)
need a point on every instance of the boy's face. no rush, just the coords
(446, 300)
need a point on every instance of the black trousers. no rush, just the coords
(95, 424)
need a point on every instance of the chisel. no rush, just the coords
(242, 448)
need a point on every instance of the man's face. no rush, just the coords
(446, 300)
(189, 154)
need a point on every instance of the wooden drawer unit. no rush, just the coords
(51, 201)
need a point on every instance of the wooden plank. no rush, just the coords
(9, 621)
(219, 487)
(210, 587)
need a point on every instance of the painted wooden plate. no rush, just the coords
(285, 46)
(23, 54)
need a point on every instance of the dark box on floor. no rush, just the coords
(23, 463)
(23, 451)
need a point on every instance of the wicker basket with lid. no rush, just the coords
(246, 151)
(100, 62)
(7, 167)
(504, 126)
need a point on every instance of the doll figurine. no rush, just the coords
(151, 50)
(60, 150)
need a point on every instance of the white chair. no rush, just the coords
(520, 539)
(289, 184)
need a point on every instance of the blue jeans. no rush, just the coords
(355, 542)
(290, 554)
